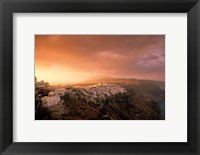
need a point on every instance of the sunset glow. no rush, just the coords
(63, 59)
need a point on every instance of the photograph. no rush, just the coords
(99, 77)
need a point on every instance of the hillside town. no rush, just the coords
(88, 92)
(116, 100)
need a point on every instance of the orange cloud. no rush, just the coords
(75, 58)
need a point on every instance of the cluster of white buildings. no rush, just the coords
(101, 90)
(52, 98)
(88, 91)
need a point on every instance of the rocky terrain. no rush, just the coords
(104, 99)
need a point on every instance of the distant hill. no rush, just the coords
(128, 81)
(161, 84)
(109, 80)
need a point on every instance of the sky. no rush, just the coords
(62, 59)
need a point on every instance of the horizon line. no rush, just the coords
(88, 80)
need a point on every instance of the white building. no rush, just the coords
(51, 99)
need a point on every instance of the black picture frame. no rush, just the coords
(8, 7)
